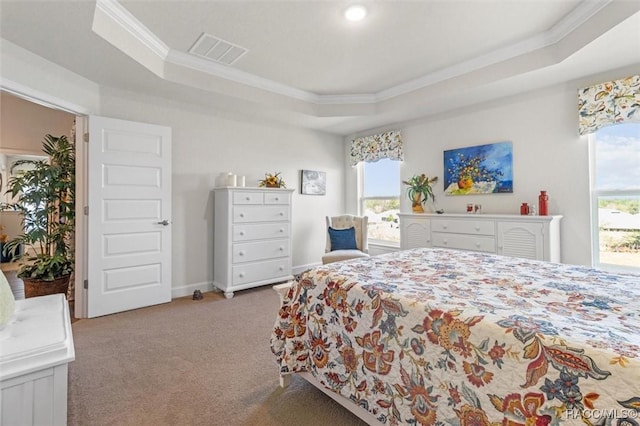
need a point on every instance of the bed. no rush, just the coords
(437, 336)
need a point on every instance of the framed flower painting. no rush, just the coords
(481, 169)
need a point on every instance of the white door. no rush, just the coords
(129, 215)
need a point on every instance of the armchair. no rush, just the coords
(346, 238)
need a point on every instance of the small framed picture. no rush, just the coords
(313, 182)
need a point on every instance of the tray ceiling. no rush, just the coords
(305, 63)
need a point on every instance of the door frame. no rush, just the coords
(80, 306)
(81, 112)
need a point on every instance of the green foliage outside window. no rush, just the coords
(631, 206)
(379, 206)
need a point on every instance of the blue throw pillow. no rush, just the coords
(343, 239)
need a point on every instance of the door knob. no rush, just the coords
(163, 223)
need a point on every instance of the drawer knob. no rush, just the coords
(445, 242)
(277, 198)
(241, 232)
(281, 213)
(240, 253)
(281, 230)
(282, 268)
(478, 245)
(241, 274)
(281, 249)
(248, 198)
(444, 226)
(477, 228)
(241, 214)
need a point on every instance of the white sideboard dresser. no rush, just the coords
(531, 237)
(35, 349)
(252, 240)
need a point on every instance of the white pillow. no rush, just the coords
(7, 301)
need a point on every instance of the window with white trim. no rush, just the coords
(380, 199)
(615, 196)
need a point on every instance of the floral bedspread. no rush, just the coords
(436, 336)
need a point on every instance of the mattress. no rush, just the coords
(437, 336)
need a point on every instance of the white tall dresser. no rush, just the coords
(252, 237)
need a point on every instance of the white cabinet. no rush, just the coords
(252, 237)
(35, 349)
(531, 237)
(415, 231)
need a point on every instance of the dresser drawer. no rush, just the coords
(245, 197)
(259, 231)
(246, 273)
(464, 242)
(477, 227)
(276, 198)
(243, 214)
(260, 250)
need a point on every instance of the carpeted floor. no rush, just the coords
(188, 362)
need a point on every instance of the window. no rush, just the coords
(615, 194)
(380, 200)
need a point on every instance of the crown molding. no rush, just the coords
(179, 58)
(574, 19)
(121, 16)
(578, 16)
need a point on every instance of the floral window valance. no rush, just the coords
(376, 147)
(609, 103)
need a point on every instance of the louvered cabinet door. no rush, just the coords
(522, 239)
(415, 232)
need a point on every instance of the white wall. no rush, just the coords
(548, 155)
(205, 145)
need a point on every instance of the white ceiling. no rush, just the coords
(307, 65)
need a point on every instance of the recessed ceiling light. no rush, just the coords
(355, 12)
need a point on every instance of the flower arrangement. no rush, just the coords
(467, 170)
(420, 190)
(272, 180)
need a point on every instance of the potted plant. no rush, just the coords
(419, 191)
(44, 193)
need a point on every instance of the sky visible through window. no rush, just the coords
(618, 157)
(382, 178)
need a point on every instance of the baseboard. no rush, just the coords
(187, 290)
(301, 268)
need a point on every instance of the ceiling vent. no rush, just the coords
(216, 49)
